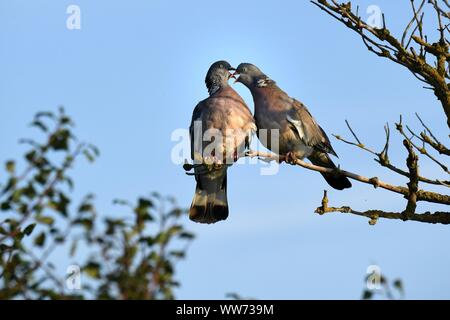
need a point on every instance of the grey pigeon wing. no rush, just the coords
(196, 116)
(308, 129)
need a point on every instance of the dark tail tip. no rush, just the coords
(208, 214)
(219, 212)
(339, 183)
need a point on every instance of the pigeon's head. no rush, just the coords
(218, 75)
(249, 75)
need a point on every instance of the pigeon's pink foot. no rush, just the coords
(291, 158)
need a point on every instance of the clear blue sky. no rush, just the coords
(135, 71)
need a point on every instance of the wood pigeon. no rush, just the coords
(220, 131)
(300, 135)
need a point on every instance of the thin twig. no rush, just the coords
(353, 133)
(433, 141)
(422, 150)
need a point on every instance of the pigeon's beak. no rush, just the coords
(232, 73)
(236, 76)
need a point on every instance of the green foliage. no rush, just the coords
(388, 290)
(127, 256)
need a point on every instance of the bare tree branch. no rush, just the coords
(422, 195)
(374, 215)
(383, 157)
(413, 184)
(432, 140)
(381, 42)
(422, 150)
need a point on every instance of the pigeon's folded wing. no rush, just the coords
(308, 129)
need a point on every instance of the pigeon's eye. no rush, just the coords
(244, 69)
(221, 66)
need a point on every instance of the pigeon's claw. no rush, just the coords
(291, 158)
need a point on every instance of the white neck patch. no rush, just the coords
(261, 83)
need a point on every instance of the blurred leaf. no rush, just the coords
(18, 237)
(94, 149)
(30, 142)
(171, 200)
(59, 239)
(29, 191)
(16, 195)
(165, 236)
(43, 114)
(367, 295)
(174, 229)
(65, 120)
(40, 239)
(5, 206)
(23, 208)
(42, 176)
(85, 222)
(121, 202)
(85, 207)
(145, 203)
(112, 224)
(68, 160)
(63, 203)
(148, 240)
(398, 284)
(45, 219)
(5, 247)
(30, 156)
(156, 195)
(176, 212)
(88, 156)
(177, 253)
(10, 166)
(93, 270)
(69, 182)
(29, 229)
(40, 125)
(186, 235)
(9, 185)
(60, 140)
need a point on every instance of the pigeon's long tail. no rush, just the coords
(323, 160)
(210, 202)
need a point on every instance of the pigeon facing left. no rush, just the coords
(300, 135)
(225, 115)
